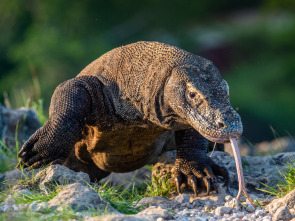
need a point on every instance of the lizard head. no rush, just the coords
(200, 97)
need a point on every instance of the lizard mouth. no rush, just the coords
(217, 139)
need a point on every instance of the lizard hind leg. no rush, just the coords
(80, 161)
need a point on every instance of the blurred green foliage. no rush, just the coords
(43, 43)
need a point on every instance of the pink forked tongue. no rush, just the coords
(237, 156)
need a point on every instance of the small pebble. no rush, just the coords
(228, 198)
(34, 206)
(292, 211)
(5, 208)
(15, 207)
(220, 211)
(196, 203)
(41, 207)
(249, 208)
(259, 212)
(182, 198)
(23, 206)
(10, 200)
(282, 214)
(234, 204)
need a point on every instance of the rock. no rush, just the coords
(156, 201)
(2, 123)
(21, 191)
(259, 212)
(257, 170)
(245, 149)
(233, 204)
(283, 214)
(80, 198)
(5, 208)
(228, 198)
(208, 207)
(249, 208)
(119, 218)
(279, 145)
(9, 200)
(156, 212)
(61, 175)
(11, 178)
(23, 206)
(292, 211)
(33, 206)
(167, 157)
(41, 207)
(23, 119)
(182, 198)
(220, 211)
(130, 179)
(288, 201)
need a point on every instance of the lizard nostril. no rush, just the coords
(220, 124)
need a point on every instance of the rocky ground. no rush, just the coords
(78, 193)
(57, 193)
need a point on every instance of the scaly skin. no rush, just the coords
(106, 118)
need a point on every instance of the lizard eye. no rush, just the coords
(192, 94)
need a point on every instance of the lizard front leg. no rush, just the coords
(193, 164)
(71, 104)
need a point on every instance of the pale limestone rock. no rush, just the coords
(220, 211)
(80, 198)
(282, 214)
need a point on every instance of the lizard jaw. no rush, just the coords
(217, 139)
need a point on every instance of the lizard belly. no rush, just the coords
(123, 150)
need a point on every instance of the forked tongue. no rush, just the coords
(237, 156)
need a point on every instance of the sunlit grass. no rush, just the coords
(287, 184)
(159, 186)
(8, 158)
(49, 215)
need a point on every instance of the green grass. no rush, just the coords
(48, 215)
(287, 184)
(123, 200)
(38, 106)
(159, 186)
(35, 195)
(8, 157)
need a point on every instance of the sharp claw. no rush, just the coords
(21, 152)
(17, 166)
(177, 182)
(193, 184)
(207, 184)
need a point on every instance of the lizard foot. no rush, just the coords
(198, 173)
(42, 148)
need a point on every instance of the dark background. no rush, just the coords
(43, 43)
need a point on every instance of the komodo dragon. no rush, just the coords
(105, 119)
